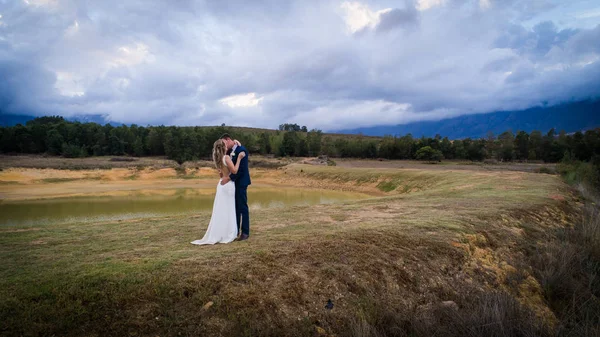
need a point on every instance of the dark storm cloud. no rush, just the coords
(536, 42)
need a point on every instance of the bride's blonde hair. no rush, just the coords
(218, 153)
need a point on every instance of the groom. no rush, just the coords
(241, 180)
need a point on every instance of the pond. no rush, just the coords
(144, 204)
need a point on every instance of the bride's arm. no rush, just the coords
(234, 168)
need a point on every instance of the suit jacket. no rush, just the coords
(242, 177)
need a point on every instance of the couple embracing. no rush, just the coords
(230, 208)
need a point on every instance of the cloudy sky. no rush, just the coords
(321, 63)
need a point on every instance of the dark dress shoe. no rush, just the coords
(243, 237)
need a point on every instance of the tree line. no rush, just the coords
(55, 136)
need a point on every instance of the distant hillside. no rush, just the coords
(12, 120)
(568, 117)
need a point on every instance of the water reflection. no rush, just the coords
(142, 204)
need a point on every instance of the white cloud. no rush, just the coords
(359, 16)
(241, 101)
(131, 55)
(343, 114)
(38, 3)
(73, 29)
(589, 14)
(485, 4)
(427, 4)
(68, 84)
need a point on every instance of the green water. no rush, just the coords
(143, 205)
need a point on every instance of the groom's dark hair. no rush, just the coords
(225, 136)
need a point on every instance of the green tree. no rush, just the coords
(387, 147)
(476, 150)
(446, 148)
(406, 147)
(189, 147)
(55, 141)
(22, 139)
(115, 144)
(7, 141)
(265, 143)
(535, 145)
(38, 137)
(276, 143)
(3, 133)
(100, 144)
(328, 148)
(314, 138)
(428, 153)
(203, 143)
(552, 151)
(290, 127)
(45, 120)
(171, 145)
(459, 149)
(370, 150)
(580, 149)
(592, 141)
(138, 147)
(72, 151)
(301, 148)
(507, 146)
(342, 147)
(522, 145)
(155, 142)
(289, 144)
(492, 145)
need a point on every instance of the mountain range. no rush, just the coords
(570, 117)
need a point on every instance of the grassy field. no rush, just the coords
(433, 251)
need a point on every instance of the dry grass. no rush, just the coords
(448, 165)
(91, 163)
(112, 162)
(427, 237)
(568, 267)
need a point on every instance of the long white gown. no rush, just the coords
(222, 227)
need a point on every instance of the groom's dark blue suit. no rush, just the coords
(242, 181)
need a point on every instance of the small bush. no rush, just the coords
(387, 186)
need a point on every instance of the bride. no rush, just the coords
(223, 225)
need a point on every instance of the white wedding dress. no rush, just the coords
(222, 227)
